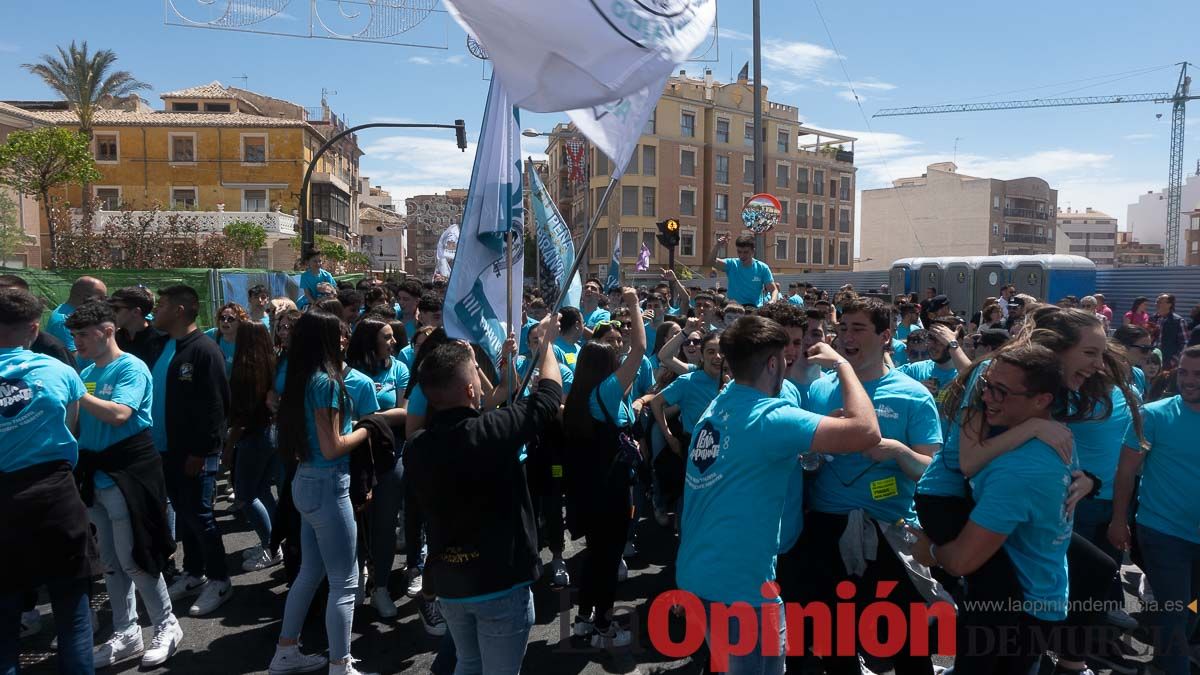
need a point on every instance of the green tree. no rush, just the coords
(36, 162)
(84, 79)
(245, 237)
(12, 237)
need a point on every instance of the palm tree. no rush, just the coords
(84, 80)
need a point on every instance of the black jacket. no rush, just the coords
(136, 467)
(471, 486)
(51, 346)
(372, 459)
(147, 344)
(197, 397)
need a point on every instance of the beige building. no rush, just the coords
(694, 162)
(1132, 253)
(384, 237)
(1089, 233)
(27, 211)
(1190, 255)
(427, 217)
(946, 213)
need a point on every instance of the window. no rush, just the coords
(783, 175)
(801, 250)
(844, 189)
(817, 249)
(183, 198)
(687, 162)
(818, 219)
(996, 202)
(216, 107)
(185, 107)
(843, 253)
(722, 131)
(844, 220)
(601, 163)
(687, 202)
(687, 242)
(629, 200)
(818, 186)
(255, 200)
(648, 199)
(183, 148)
(801, 180)
(802, 215)
(601, 243)
(831, 259)
(722, 170)
(783, 211)
(995, 229)
(632, 166)
(649, 160)
(721, 207)
(748, 171)
(781, 253)
(629, 244)
(748, 135)
(106, 148)
(687, 125)
(109, 198)
(781, 140)
(832, 222)
(652, 123)
(254, 149)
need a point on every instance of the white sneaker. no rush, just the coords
(31, 623)
(290, 660)
(1145, 591)
(162, 647)
(346, 668)
(255, 551)
(613, 638)
(263, 561)
(414, 583)
(622, 571)
(215, 594)
(119, 648)
(186, 584)
(382, 602)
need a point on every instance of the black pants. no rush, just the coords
(605, 529)
(824, 570)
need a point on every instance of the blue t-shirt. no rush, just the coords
(407, 355)
(56, 325)
(738, 466)
(1139, 381)
(899, 353)
(158, 411)
(902, 331)
(1098, 442)
(796, 300)
(322, 393)
(940, 374)
(266, 320)
(644, 381)
(746, 283)
(1171, 471)
(792, 522)
(227, 348)
(524, 343)
(35, 391)
(944, 477)
(619, 406)
(126, 381)
(847, 482)
(596, 316)
(362, 393)
(524, 363)
(1022, 494)
(390, 383)
(309, 281)
(693, 393)
(417, 403)
(567, 352)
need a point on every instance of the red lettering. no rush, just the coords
(822, 626)
(659, 624)
(882, 610)
(845, 619)
(919, 624)
(770, 622)
(718, 640)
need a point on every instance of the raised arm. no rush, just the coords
(628, 371)
(974, 452)
(682, 297)
(711, 260)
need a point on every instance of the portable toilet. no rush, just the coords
(930, 274)
(959, 280)
(900, 278)
(991, 273)
(1068, 275)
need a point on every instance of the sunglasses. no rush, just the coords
(692, 342)
(1145, 349)
(228, 319)
(999, 393)
(615, 323)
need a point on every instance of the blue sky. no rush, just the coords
(898, 54)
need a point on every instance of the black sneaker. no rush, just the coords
(431, 617)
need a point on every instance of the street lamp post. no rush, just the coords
(587, 188)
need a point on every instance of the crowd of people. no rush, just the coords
(792, 439)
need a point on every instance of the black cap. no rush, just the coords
(938, 302)
(993, 337)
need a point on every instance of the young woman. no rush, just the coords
(1138, 347)
(599, 412)
(225, 333)
(315, 431)
(1137, 314)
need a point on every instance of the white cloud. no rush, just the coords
(420, 60)
(452, 60)
(871, 84)
(847, 95)
(730, 34)
(801, 59)
(456, 59)
(1137, 137)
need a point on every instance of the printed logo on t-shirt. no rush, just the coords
(105, 391)
(15, 396)
(706, 447)
(886, 412)
(185, 372)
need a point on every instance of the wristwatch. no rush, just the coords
(953, 344)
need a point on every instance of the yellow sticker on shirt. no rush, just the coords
(884, 488)
(556, 470)
(91, 387)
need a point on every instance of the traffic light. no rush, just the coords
(668, 233)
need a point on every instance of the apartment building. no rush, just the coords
(1091, 234)
(427, 216)
(1133, 253)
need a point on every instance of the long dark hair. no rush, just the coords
(290, 314)
(252, 377)
(1043, 375)
(436, 337)
(315, 348)
(363, 352)
(596, 362)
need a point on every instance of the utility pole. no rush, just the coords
(760, 167)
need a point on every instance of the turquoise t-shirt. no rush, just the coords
(619, 406)
(847, 482)
(899, 353)
(792, 522)
(693, 393)
(266, 320)
(362, 393)
(309, 281)
(322, 393)
(746, 283)
(158, 411)
(928, 371)
(126, 381)
(567, 352)
(1171, 471)
(796, 300)
(1022, 494)
(35, 391)
(524, 337)
(944, 477)
(227, 348)
(390, 383)
(1098, 442)
(644, 381)
(902, 331)
(596, 316)
(417, 403)
(738, 466)
(524, 363)
(1139, 381)
(56, 325)
(407, 355)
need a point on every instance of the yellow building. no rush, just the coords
(223, 153)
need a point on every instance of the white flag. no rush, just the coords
(573, 54)
(446, 245)
(615, 127)
(479, 284)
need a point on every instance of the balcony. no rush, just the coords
(273, 222)
(328, 229)
(844, 156)
(1015, 238)
(1025, 213)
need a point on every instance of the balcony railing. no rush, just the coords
(273, 222)
(1026, 238)
(1026, 213)
(844, 156)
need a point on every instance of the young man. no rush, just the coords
(1102, 308)
(1007, 291)
(84, 289)
(707, 311)
(738, 468)
(750, 280)
(946, 357)
(567, 341)
(258, 300)
(135, 335)
(429, 310)
(1167, 511)
(191, 403)
(407, 297)
(795, 298)
(857, 501)
(589, 307)
(656, 307)
(44, 524)
(909, 320)
(313, 275)
(122, 482)
(483, 552)
(1172, 329)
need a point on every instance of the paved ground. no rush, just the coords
(240, 637)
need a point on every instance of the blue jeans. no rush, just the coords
(384, 512)
(754, 663)
(1171, 564)
(258, 467)
(328, 537)
(192, 497)
(110, 515)
(72, 619)
(491, 635)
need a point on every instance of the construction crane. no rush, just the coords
(1178, 102)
